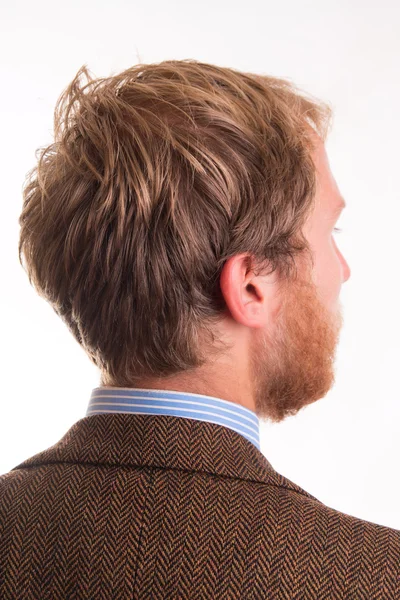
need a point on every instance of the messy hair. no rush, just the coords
(156, 177)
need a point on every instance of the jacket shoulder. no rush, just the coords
(325, 550)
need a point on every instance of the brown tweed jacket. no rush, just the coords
(148, 507)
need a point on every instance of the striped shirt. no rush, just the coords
(107, 399)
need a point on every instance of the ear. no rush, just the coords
(252, 300)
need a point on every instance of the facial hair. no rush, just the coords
(293, 365)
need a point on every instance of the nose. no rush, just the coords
(346, 270)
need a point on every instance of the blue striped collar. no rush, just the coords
(178, 404)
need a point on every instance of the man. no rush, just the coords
(182, 226)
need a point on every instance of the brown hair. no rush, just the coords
(158, 175)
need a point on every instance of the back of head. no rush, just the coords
(158, 175)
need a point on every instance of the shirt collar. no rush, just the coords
(106, 399)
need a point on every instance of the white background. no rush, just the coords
(343, 449)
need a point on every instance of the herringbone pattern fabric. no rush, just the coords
(160, 507)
